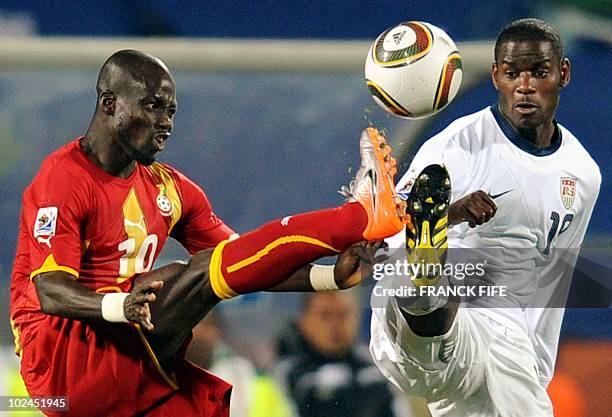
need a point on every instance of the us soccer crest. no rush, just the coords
(568, 191)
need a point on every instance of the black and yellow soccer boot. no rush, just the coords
(426, 240)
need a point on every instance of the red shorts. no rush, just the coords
(105, 370)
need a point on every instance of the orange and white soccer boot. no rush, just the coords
(374, 187)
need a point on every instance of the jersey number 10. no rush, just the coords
(137, 260)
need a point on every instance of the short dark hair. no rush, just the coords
(530, 30)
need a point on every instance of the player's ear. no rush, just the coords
(566, 70)
(107, 102)
(494, 75)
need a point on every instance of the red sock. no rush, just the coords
(265, 257)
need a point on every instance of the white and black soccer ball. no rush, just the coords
(413, 70)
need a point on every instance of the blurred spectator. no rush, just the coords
(323, 370)
(566, 396)
(253, 395)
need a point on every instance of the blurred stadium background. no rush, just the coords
(271, 103)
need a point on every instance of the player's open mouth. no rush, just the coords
(525, 108)
(159, 140)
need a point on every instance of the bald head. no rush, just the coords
(134, 110)
(128, 69)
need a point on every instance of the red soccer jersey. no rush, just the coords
(101, 229)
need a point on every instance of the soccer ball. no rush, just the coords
(413, 70)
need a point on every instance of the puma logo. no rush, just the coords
(45, 240)
(140, 225)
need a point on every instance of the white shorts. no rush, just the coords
(482, 367)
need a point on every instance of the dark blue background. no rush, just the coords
(338, 19)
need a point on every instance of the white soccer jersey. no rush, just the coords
(544, 200)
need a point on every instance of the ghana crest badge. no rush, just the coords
(163, 202)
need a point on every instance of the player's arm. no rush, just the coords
(60, 295)
(351, 266)
(475, 208)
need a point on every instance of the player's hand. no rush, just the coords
(401, 208)
(136, 305)
(390, 161)
(355, 263)
(476, 208)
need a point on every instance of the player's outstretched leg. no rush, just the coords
(261, 259)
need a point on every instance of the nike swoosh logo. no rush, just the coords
(494, 196)
(373, 183)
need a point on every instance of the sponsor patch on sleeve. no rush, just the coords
(46, 221)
